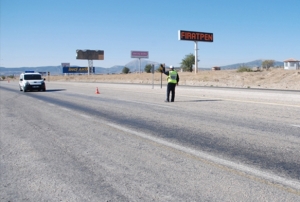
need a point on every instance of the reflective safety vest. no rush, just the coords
(172, 78)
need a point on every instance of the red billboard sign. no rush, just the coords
(195, 36)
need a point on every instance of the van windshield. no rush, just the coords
(32, 77)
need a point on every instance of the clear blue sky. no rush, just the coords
(48, 32)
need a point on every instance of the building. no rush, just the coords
(292, 64)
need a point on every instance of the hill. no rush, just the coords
(134, 66)
(251, 64)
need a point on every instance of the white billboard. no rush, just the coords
(65, 64)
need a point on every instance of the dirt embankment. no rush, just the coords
(272, 79)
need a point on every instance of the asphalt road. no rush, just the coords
(127, 144)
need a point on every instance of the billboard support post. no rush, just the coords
(90, 66)
(196, 57)
(152, 71)
(161, 80)
(140, 65)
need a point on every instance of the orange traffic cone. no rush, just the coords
(97, 91)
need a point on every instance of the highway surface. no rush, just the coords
(127, 144)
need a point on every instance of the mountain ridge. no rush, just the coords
(134, 66)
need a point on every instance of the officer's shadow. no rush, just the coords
(210, 100)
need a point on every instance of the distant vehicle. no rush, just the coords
(32, 81)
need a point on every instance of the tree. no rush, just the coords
(266, 64)
(148, 68)
(188, 62)
(126, 70)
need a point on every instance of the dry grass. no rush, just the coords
(273, 79)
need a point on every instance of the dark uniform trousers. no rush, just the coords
(171, 89)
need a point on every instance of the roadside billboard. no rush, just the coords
(77, 70)
(139, 54)
(90, 54)
(65, 64)
(195, 36)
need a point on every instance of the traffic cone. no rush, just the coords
(97, 91)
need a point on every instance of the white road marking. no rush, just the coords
(245, 101)
(237, 166)
(66, 109)
(296, 126)
(85, 116)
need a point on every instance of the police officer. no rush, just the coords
(173, 79)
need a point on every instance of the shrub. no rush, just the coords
(148, 68)
(244, 69)
(125, 70)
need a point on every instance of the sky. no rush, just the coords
(48, 32)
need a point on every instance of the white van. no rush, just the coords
(32, 81)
